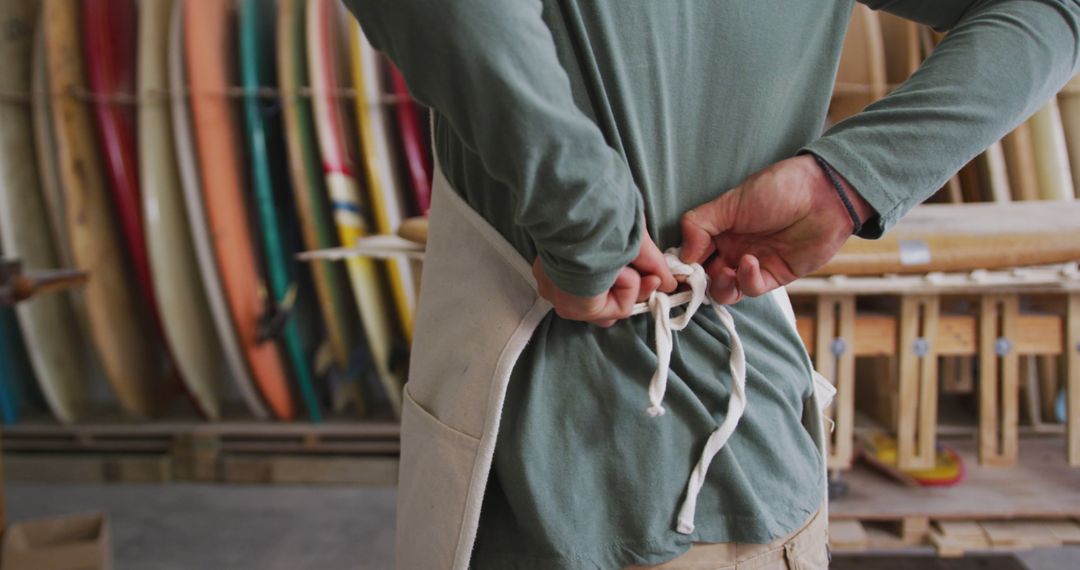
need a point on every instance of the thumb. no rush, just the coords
(703, 223)
(651, 261)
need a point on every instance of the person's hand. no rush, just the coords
(647, 273)
(781, 223)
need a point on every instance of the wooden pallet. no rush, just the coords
(1036, 503)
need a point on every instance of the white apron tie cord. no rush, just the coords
(659, 306)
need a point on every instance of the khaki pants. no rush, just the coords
(805, 549)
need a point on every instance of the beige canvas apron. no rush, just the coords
(478, 308)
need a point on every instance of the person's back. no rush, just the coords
(564, 124)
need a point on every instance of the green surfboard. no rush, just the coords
(272, 198)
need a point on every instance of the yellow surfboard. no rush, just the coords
(386, 193)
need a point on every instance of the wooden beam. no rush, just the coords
(917, 414)
(999, 377)
(835, 336)
(1036, 334)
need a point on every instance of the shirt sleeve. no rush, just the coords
(490, 69)
(1001, 60)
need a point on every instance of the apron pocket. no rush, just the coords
(440, 459)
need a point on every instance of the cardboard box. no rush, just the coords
(76, 542)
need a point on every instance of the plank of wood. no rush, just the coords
(1004, 534)
(916, 428)
(966, 237)
(835, 360)
(875, 334)
(67, 468)
(847, 536)
(1072, 346)
(954, 538)
(913, 530)
(947, 547)
(334, 471)
(1068, 532)
(999, 379)
(246, 470)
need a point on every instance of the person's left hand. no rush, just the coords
(780, 224)
(647, 273)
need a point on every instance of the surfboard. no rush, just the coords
(1069, 105)
(967, 237)
(45, 146)
(229, 342)
(324, 43)
(209, 52)
(15, 373)
(185, 316)
(256, 36)
(108, 28)
(1051, 154)
(55, 347)
(415, 145)
(994, 175)
(337, 306)
(1020, 163)
(122, 332)
(385, 191)
(903, 52)
(860, 78)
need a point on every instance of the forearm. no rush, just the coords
(1001, 61)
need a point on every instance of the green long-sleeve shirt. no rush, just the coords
(563, 121)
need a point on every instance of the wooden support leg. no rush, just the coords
(835, 360)
(916, 428)
(999, 376)
(1072, 360)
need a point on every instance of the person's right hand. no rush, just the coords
(780, 224)
(647, 273)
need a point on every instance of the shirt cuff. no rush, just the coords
(589, 273)
(889, 207)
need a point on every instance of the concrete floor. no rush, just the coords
(183, 526)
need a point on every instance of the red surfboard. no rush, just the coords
(109, 41)
(414, 142)
(109, 38)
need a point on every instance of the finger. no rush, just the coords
(703, 223)
(776, 271)
(651, 261)
(724, 287)
(623, 295)
(603, 324)
(649, 285)
(752, 281)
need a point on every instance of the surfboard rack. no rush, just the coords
(907, 323)
(225, 451)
